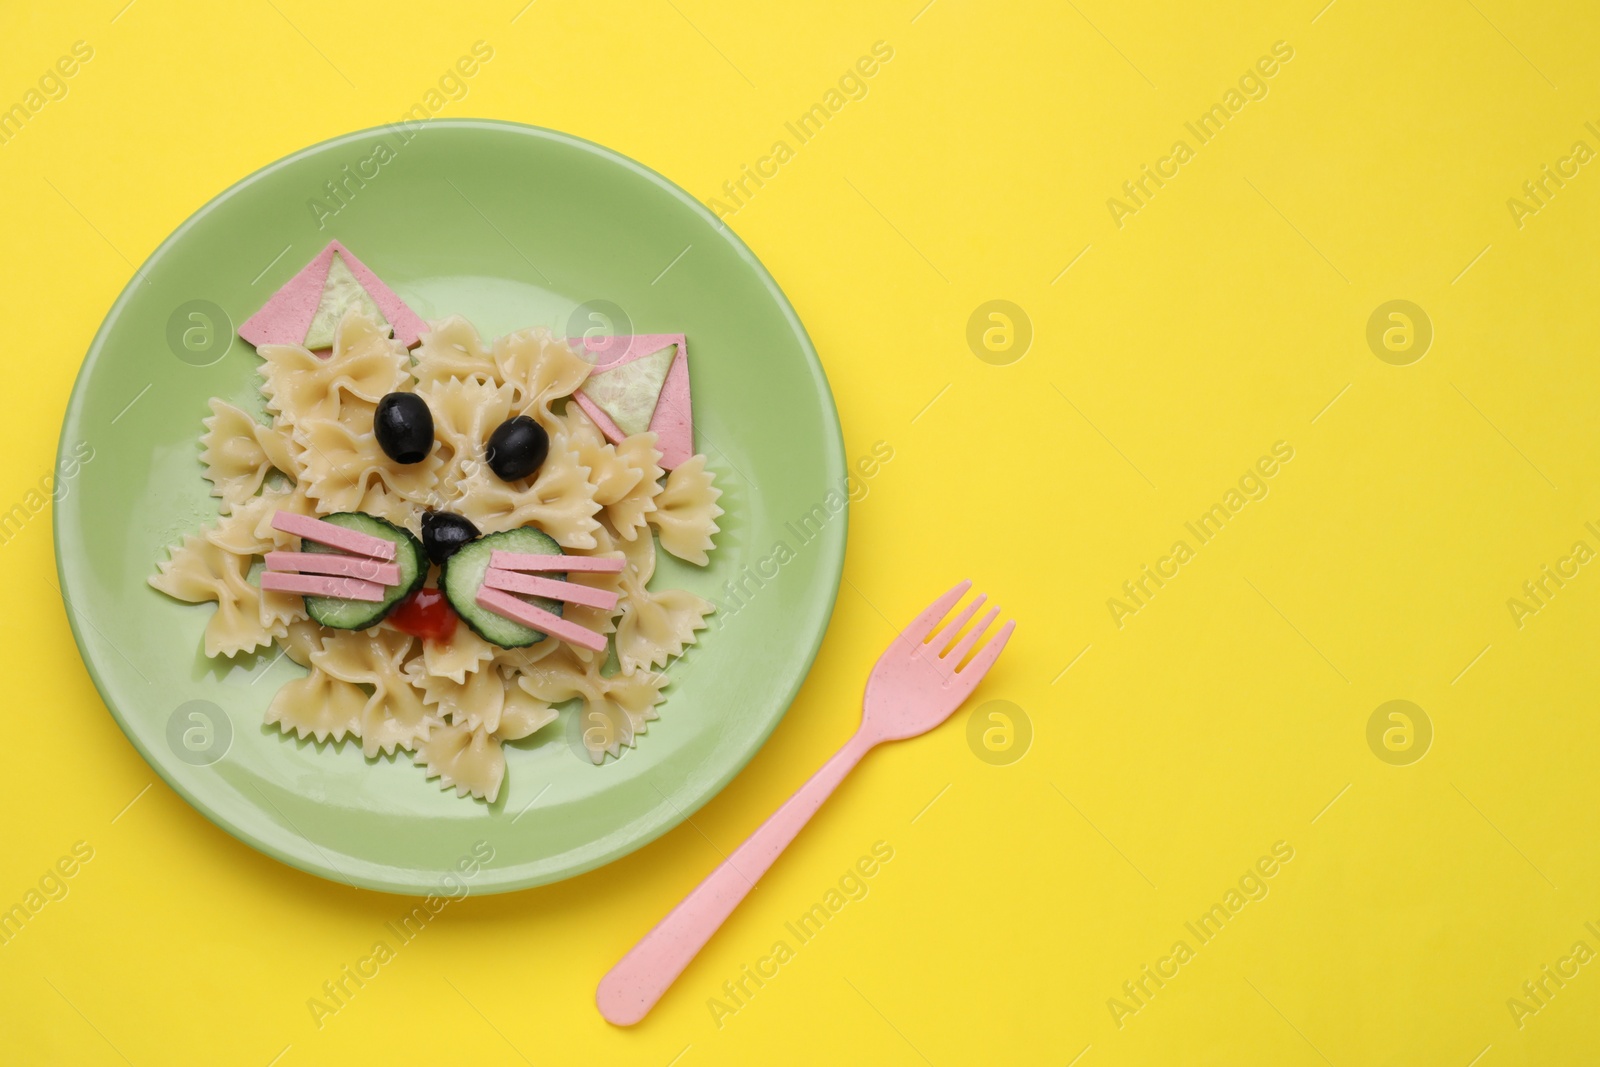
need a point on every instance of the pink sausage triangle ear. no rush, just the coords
(330, 287)
(614, 398)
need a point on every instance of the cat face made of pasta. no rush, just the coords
(450, 704)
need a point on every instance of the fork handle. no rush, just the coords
(631, 988)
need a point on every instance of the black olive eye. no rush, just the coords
(517, 448)
(404, 427)
(444, 532)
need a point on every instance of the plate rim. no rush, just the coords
(680, 808)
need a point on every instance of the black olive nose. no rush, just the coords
(443, 532)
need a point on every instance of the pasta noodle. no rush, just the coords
(654, 627)
(637, 695)
(603, 727)
(393, 716)
(302, 639)
(476, 701)
(628, 514)
(198, 571)
(469, 760)
(347, 471)
(453, 349)
(613, 477)
(686, 512)
(238, 452)
(523, 715)
(364, 365)
(454, 659)
(465, 413)
(541, 370)
(560, 501)
(615, 708)
(318, 706)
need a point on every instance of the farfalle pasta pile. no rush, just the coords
(452, 703)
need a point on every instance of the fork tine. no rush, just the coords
(959, 653)
(923, 624)
(987, 654)
(948, 634)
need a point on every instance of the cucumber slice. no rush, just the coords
(462, 576)
(342, 614)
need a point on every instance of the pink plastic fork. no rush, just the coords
(916, 686)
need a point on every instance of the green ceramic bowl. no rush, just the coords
(510, 226)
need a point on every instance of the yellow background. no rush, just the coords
(1225, 716)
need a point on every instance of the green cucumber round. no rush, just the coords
(343, 614)
(462, 576)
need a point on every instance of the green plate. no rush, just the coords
(510, 226)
